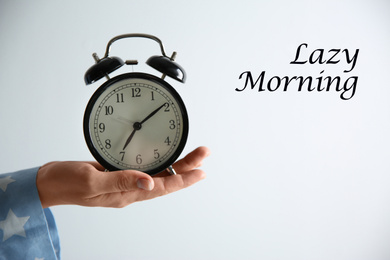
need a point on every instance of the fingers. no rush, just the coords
(192, 160)
(118, 189)
(179, 181)
(187, 174)
(119, 181)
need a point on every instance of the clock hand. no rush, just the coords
(122, 120)
(129, 139)
(153, 113)
(138, 125)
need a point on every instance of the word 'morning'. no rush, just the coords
(347, 88)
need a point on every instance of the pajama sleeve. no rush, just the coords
(27, 231)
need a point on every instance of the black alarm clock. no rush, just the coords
(136, 120)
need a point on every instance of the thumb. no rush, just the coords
(127, 180)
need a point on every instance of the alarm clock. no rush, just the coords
(136, 120)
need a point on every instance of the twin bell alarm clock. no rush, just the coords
(135, 120)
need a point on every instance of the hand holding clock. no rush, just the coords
(87, 184)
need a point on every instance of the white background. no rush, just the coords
(292, 175)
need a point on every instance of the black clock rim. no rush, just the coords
(146, 76)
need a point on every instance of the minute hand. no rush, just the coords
(153, 113)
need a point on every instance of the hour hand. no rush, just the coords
(129, 139)
(136, 126)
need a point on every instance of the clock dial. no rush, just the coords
(136, 121)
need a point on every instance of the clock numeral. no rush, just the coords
(172, 124)
(135, 92)
(123, 155)
(119, 98)
(108, 144)
(138, 159)
(109, 110)
(167, 141)
(102, 127)
(152, 95)
(156, 154)
(167, 107)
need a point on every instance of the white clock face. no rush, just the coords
(136, 123)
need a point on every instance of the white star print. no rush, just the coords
(4, 182)
(13, 225)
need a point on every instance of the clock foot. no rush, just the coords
(171, 170)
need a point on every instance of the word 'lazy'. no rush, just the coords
(333, 54)
(347, 87)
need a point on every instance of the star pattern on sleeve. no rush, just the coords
(4, 182)
(27, 231)
(13, 225)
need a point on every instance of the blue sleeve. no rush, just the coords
(27, 231)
